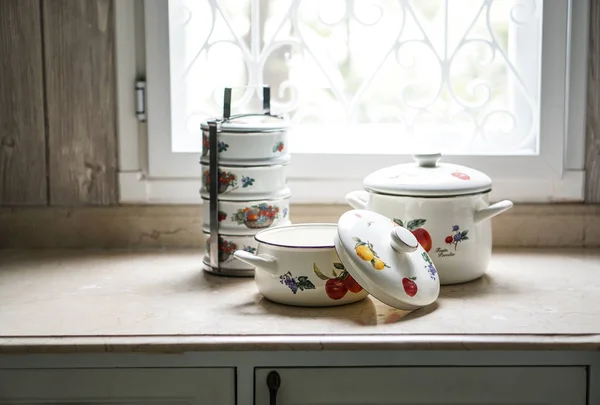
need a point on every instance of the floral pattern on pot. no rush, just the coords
(457, 236)
(337, 287)
(366, 252)
(257, 216)
(249, 249)
(221, 146)
(415, 226)
(226, 249)
(410, 287)
(296, 283)
(227, 181)
(278, 147)
(429, 266)
(222, 216)
(247, 181)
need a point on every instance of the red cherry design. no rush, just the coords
(335, 289)
(410, 287)
(460, 175)
(351, 284)
(448, 239)
(423, 237)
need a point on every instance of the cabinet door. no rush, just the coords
(167, 386)
(426, 385)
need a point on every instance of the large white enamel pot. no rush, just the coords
(445, 206)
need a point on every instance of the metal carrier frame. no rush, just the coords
(213, 134)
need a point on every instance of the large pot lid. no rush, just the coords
(250, 123)
(386, 260)
(427, 177)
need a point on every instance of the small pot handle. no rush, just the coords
(266, 262)
(358, 199)
(492, 210)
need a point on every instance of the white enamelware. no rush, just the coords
(254, 137)
(248, 217)
(244, 183)
(336, 264)
(228, 244)
(445, 206)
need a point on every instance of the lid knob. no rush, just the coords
(403, 240)
(427, 159)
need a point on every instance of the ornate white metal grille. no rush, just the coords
(460, 76)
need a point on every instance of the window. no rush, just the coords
(498, 85)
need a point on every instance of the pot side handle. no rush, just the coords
(358, 199)
(492, 210)
(266, 262)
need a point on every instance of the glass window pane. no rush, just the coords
(458, 76)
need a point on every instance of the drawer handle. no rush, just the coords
(273, 383)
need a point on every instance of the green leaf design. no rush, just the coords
(319, 273)
(399, 222)
(465, 238)
(358, 242)
(238, 217)
(415, 223)
(305, 284)
(334, 274)
(463, 234)
(339, 266)
(343, 275)
(426, 257)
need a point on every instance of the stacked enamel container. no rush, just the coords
(252, 192)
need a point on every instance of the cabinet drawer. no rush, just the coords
(426, 385)
(119, 385)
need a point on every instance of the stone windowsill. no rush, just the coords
(160, 301)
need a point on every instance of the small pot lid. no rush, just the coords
(427, 177)
(386, 260)
(251, 123)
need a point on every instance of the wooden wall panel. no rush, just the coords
(22, 137)
(81, 101)
(592, 161)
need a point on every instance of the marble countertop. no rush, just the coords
(161, 301)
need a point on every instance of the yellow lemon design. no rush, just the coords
(378, 264)
(364, 253)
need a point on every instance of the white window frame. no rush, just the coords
(149, 172)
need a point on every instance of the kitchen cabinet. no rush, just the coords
(164, 386)
(426, 385)
(323, 377)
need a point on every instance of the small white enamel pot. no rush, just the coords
(243, 183)
(445, 206)
(335, 264)
(248, 137)
(298, 265)
(248, 217)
